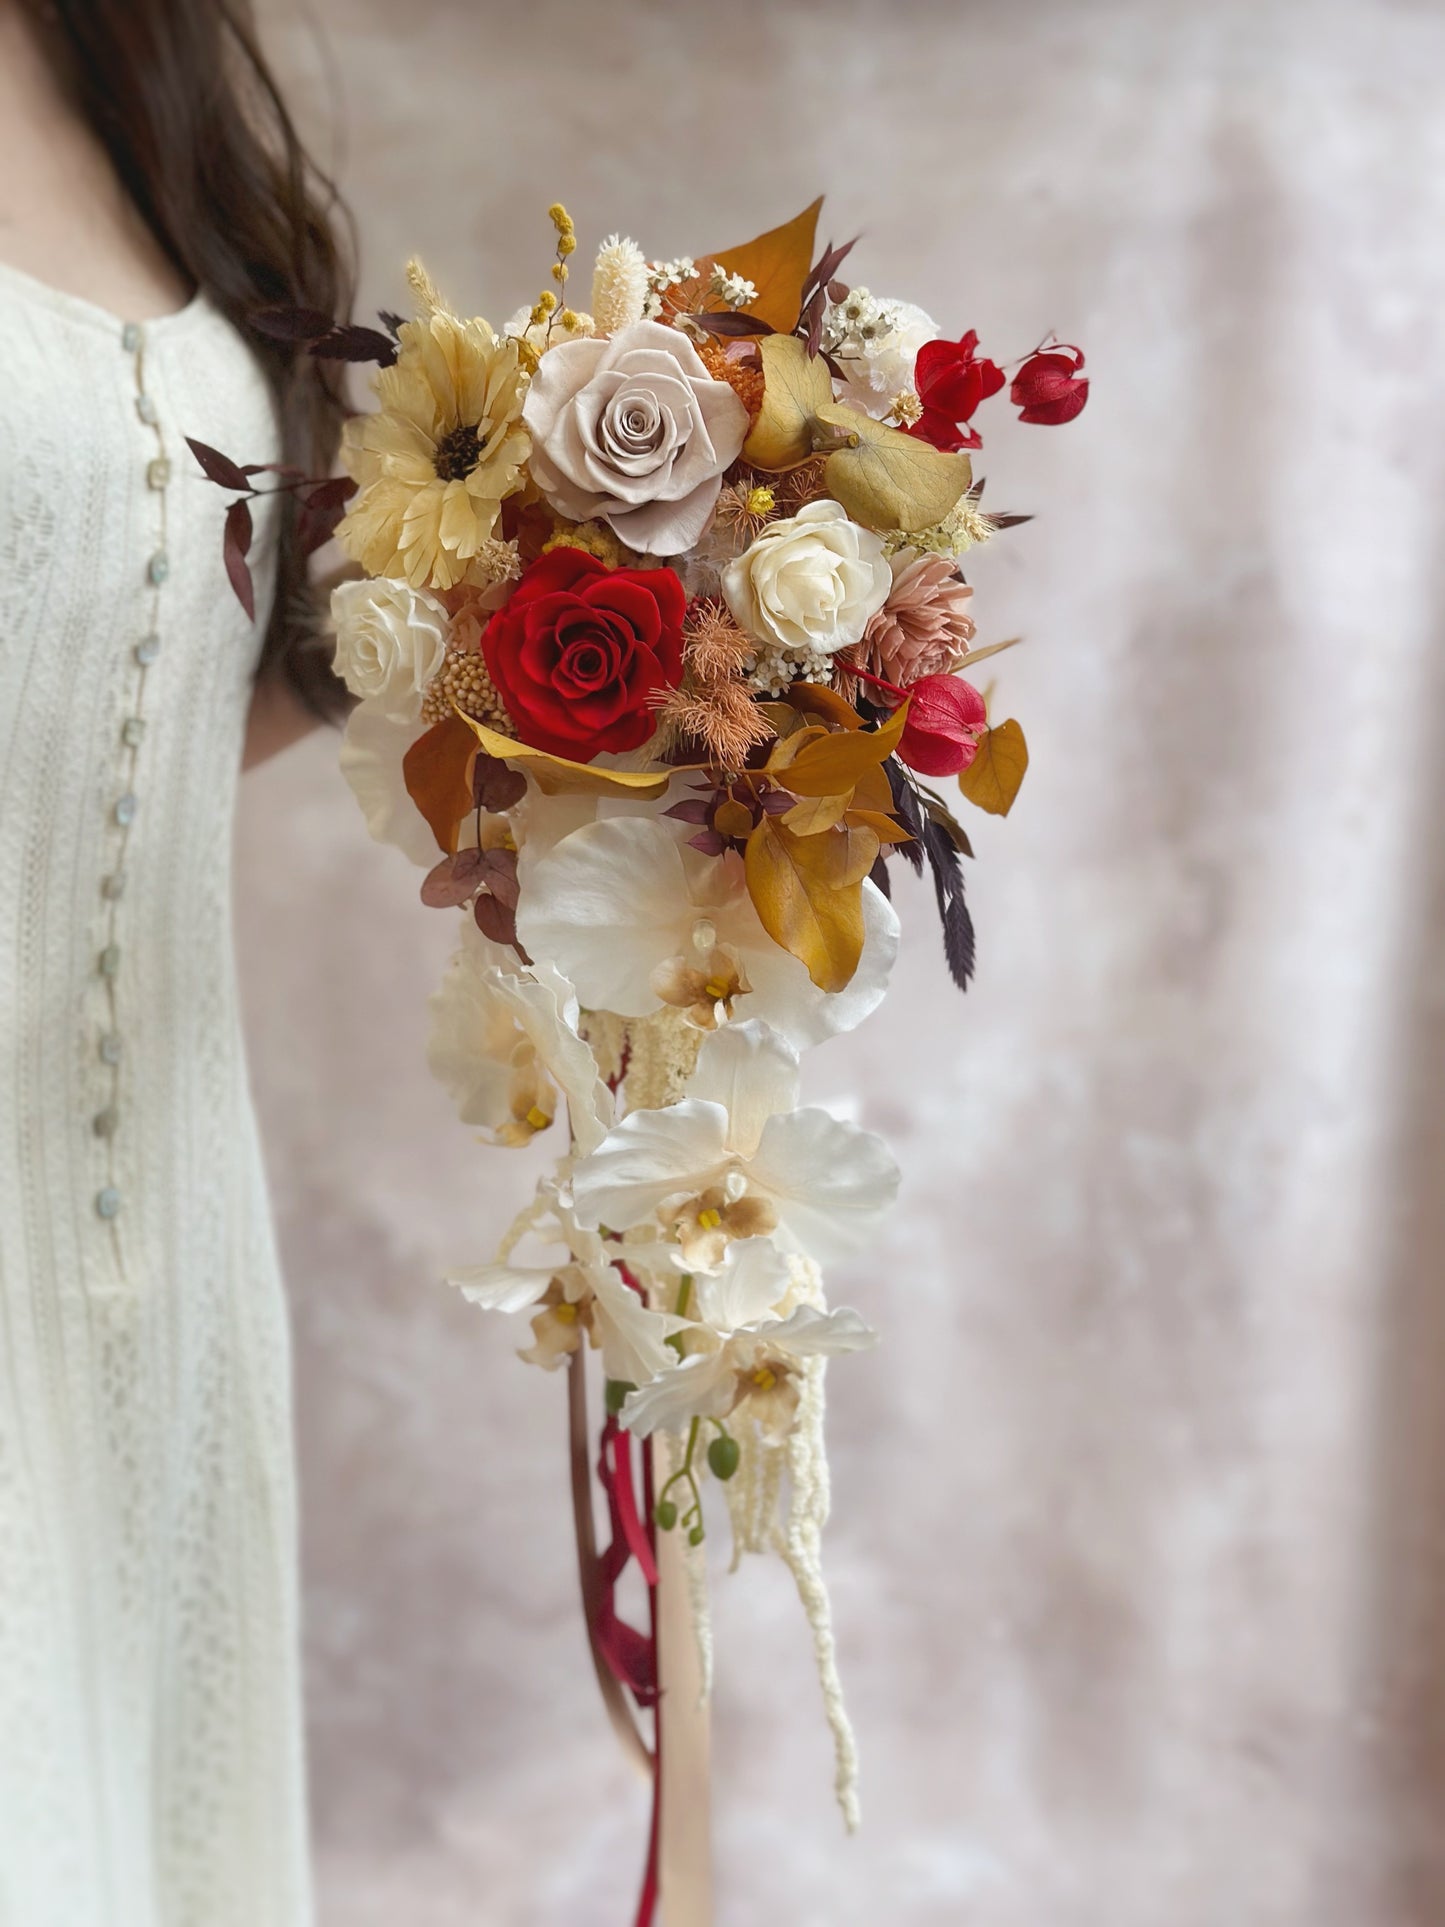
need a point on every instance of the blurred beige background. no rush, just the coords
(1137, 1555)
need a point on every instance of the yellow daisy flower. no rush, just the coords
(435, 462)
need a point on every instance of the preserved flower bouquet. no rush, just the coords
(661, 629)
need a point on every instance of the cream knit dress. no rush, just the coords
(150, 1739)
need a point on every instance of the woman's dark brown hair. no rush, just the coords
(182, 98)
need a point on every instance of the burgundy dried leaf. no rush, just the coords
(827, 266)
(498, 872)
(496, 786)
(709, 842)
(838, 291)
(777, 802)
(810, 321)
(693, 809)
(356, 344)
(391, 322)
(1009, 521)
(218, 467)
(495, 920)
(321, 511)
(733, 324)
(454, 881)
(237, 547)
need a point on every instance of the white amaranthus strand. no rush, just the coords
(695, 1562)
(800, 1547)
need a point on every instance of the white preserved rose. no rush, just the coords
(391, 640)
(811, 583)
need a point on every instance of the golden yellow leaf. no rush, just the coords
(557, 776)
(992, 779)
(835, 764)
(816, 699)
(436, 771)
(808, 893)
(777, 264)
(873, 792)
(816, 813)
(886, 828)
(796, 386)
(732, 818)
(886, 479)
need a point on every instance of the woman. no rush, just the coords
(153, 197)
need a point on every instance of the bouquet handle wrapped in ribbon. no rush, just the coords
(660, 644)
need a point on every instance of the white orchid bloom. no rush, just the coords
(745, 1353)
(627, 910)
(826, 1183)
(371, 756)
(504, 1042)
(581, 1292)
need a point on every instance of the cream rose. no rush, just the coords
(813, 582)
(390, 642)
(635, 431)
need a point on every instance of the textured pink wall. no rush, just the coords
(1136, 1558)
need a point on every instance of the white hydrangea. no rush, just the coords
(876, 344)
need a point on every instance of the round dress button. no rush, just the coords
(104, 1122)
(110, 960)
(147, 649)
(113, 886)
(131, 337)
(158, 568)
(158, 473)
(110, 1048)
(145, 407)
(125, 810)
(131, 732)
(107, 1202)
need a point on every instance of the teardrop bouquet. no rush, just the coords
(659, 642)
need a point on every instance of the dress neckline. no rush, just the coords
(78, 308)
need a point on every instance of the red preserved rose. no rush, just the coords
(946, 717)
(580, 648)
(1049, 388)
(952, 379)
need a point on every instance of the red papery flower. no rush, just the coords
(951, 381)
(946, 717)
(579, 649)
(1049, 388)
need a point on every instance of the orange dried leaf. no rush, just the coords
(777, 264)
(886, 828)
(992, 780)
(436, 770)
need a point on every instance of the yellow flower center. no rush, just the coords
(761, 501)
(709, 1220)
(538, 1118)
(764, 1378)
(564, 1313)
(715, 989)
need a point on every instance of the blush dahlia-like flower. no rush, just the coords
(438, 458)
(924, 626)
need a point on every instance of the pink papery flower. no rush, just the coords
(924, 627)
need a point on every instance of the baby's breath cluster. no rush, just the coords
(857, 325)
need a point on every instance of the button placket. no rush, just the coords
(108, 1118)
